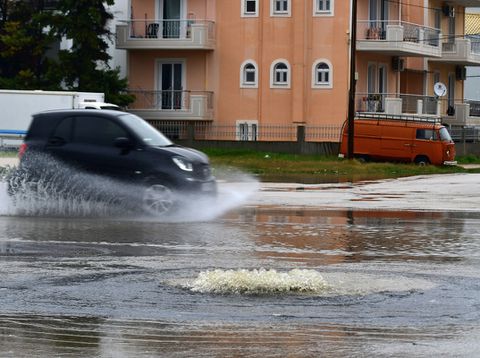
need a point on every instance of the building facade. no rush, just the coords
(257, 63)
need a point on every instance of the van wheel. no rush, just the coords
(422, 160)
(158, 199)
(363, 158)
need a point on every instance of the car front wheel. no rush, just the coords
(158, 199)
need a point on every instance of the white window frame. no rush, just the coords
(244, 12)
(275, 13)
(318, 12)
(243, 81)
(320, 85)
(247, 130)
(273, 82)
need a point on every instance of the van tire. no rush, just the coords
(422, 160)
(363, 158)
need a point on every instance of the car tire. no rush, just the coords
(158, 199)
(422, 161)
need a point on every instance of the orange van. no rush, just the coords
(422, 140)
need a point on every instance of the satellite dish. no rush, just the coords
(440, 89)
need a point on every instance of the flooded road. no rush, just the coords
(372, 269)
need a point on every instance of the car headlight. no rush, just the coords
(183, 164)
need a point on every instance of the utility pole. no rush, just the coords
(351, 96)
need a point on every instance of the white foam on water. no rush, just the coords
(299, 281)
(259, 282)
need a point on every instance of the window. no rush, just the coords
(247, 130)
(248, 74)
(279, 7)
(249, 8)
(323, 7)
(97, 131)
(63, 132)
(322, 74)
(280, 74)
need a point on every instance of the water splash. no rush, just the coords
(259, 282)
(63, 191)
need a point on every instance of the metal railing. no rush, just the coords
(370, 102)
(452, 46)
(203, 130)
(377, 30)
(410, 104)
(474, 108)
(167, 100)
(167, 29)
(465, 134)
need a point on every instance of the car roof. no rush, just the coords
(63, 112)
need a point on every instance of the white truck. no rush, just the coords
(17, 107)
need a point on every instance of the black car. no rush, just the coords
(120, 146)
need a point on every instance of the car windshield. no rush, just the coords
(148, 134)
(444, 135)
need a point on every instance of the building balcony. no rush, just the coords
(462, 51)
(398, 38)
(165, 34)
(172, 105)
(464, 114)
(398, 104)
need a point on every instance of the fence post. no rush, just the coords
(300, 138)
(190, 132)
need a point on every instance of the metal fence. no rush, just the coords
(182, 130)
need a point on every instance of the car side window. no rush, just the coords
(97, 131)
(427, 134)
(63, 131)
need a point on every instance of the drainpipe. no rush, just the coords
(351, 101)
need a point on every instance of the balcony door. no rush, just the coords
(171, 84)
(378, 16)
(376, 87)
(172, 12)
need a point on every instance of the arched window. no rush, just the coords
(280, 74)
(322, 74)
(248, 74)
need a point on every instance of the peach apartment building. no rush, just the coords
(256, 63)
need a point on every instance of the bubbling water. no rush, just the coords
(259, 282)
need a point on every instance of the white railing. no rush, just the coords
(167, 29)
(376, 30)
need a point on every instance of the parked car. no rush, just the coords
(422, 140)
(120, 146)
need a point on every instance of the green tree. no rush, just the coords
(29, 32)
(23, 44)
(85, 67)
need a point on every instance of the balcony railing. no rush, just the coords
(172, 104)
(398, 38)
(463, 51)
(168, 100)
(379, 30)
(392, 103)
(154, 33)
(167, 29)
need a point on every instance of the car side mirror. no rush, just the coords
(123, 143)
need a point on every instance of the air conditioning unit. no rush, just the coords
(398, 64)
(460, 73)
(448, 10)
